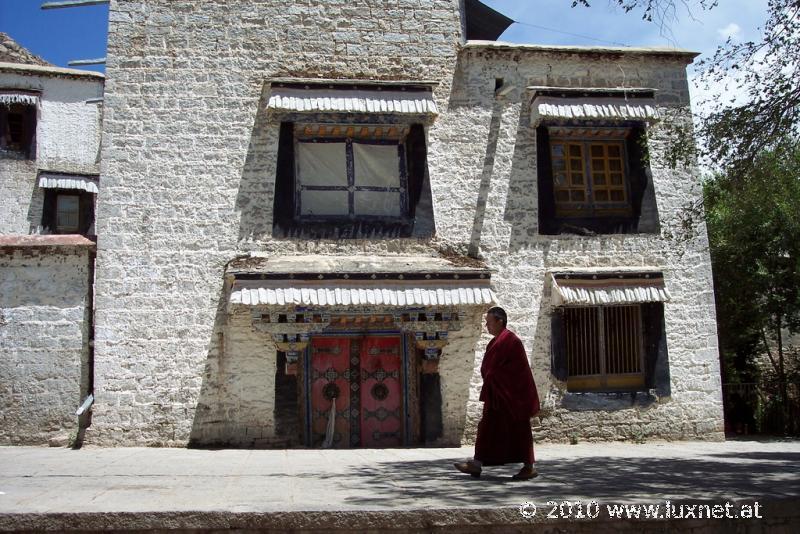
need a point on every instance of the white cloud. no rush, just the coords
(732, 30)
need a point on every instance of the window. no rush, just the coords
(67, 211)
(589, 177)
(17, 128)
(604, 347)
(348, 171)
(608, 330)
(351, 180)
(594, 179)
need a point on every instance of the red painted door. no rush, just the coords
(363, 375)
(330, 379)
(381, 392)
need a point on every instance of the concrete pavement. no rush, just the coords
(401, 489)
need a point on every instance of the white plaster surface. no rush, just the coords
(189, 161)
(43, 342)
(67, 141)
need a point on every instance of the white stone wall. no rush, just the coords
(43, 342)
(188, 173)
(21, 210)
(236, 405)
(510, 243)
(189, 159)
(67, 141)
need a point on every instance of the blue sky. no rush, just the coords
(61, 35)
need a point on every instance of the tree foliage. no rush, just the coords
(754, 232)
(767, 70)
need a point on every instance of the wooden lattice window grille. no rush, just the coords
(604, 348)
(590, 177)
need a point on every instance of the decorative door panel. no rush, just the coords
(331, 375)
(363, 375)
(381, 392)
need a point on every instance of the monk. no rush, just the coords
(509, 400)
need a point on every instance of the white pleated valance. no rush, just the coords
(607, 108)
(318, 100)
(608, 290)
(299, 293)
(13, 97)
(64, 181)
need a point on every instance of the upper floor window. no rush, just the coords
(349, 171)
(590, 177)
(18, 123)
(352, 160)
(592, 161)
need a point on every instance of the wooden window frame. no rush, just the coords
(72, 229)
(583, 164)
(24, 141)
(352, 136)
(593, 336)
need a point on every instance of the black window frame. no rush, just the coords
(287, 223)
(86, 211)
(25, 145)
(352, 189)
(643, 217)
(655, 356)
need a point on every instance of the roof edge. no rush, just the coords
(570, 49)
(50, 71)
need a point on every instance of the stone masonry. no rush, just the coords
(67, 138)
(188, 174)
(44, 336)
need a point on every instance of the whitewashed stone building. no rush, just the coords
(308, 206)
(49, 166)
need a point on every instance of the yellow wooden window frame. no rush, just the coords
(589, 177)
(604, 347)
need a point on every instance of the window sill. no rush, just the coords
(608, 400)
(591, 227)
(19, 155)
(350, 230)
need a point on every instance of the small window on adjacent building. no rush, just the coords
(17, 124)
(67, 213)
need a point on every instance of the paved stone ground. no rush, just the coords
(43, 488)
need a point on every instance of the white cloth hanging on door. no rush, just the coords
(328, 441)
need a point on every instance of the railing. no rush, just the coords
(759, 408)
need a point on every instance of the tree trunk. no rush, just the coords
(782, 378)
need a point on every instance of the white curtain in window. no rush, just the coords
(377, 166)
(322, 164)
(377, 203)
(323, 203)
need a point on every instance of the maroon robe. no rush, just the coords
(509, 400)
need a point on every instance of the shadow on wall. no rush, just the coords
(521, 210)
(257, 187)
(208, 417)
(486, 178)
